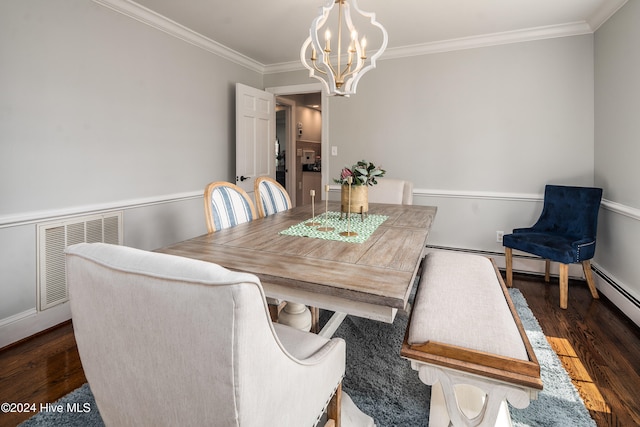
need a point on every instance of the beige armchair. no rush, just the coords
(166, 340)
(392, 191)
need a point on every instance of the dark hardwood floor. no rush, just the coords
(598, 345)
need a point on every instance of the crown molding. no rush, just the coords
(495, 39)
(284, 67)
(487, 40)
(159, 22)
(604, 13)
(155, 20)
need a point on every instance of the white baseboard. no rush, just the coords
(30, 322)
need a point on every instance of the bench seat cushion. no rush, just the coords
(460, 302)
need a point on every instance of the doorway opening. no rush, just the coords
(299, 145)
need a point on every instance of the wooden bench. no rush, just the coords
(466, 340)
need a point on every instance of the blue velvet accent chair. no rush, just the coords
(271, 197)
(226, 205)
(564, 233)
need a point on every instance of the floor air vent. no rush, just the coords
(55, 236)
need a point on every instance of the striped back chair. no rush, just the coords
(226, 205)
(271, 197)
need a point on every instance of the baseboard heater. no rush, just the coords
(52, 239)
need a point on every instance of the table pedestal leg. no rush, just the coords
(296, 315)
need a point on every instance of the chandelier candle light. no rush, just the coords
(338, 74)
(313, 223)
(349, 233)
(326, 211)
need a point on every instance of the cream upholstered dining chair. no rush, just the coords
(166, 340)
(226, 205)
(392, 191)
(271, 197)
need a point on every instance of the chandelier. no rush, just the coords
(339, 66)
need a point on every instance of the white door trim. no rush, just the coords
(308, 88)
(290, 160)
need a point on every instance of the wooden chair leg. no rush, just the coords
(273, 312)
(564, 285)
(315, 319)
(508, 256)
(547, 267)
(334, 409)
(586, 266)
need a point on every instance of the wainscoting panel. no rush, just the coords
(147, 224)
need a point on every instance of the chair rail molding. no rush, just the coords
(486, 195)
(39, 216)
(609, 205)
(631, 212)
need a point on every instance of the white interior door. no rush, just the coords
(255, 135)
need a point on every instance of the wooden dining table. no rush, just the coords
(372, 279)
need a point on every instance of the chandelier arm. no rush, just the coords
(350, 73)
(318, 69)
(347, 71)
(327, 62)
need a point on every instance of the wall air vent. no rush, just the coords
(53, 237)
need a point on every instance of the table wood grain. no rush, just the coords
(371, 279)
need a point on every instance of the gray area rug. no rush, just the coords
(384, 386)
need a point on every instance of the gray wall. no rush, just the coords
(617, 146)
(89, 93)
(101, 111)
(98, 110)
(478, 131)
(481, 131)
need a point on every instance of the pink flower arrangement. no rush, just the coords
(362, 173)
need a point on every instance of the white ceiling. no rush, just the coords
(271, 32)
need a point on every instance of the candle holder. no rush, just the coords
(326, 211)
(313, 223)
(349, 233)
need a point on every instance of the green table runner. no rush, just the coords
(363, 228)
